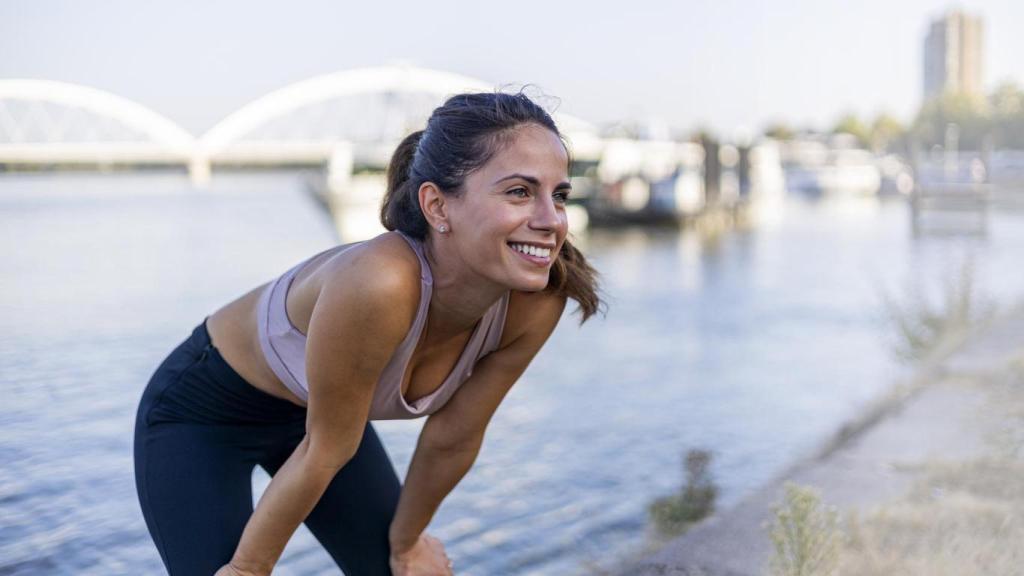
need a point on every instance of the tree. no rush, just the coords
(1007, 105)
(850, 124)
(885, 130)
(969, 113)
(779, 131)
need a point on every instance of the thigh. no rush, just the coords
(195, 489)
(352, 518)
(200, 429)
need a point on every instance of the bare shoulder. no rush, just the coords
(387, 257)
(532, 316)
(380, 277)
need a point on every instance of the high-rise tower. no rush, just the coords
(953, 55)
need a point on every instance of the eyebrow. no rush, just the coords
(531, 180)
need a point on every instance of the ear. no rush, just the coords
(434, 205)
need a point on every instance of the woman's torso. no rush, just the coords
(234, 330)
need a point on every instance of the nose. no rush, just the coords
(546, 215)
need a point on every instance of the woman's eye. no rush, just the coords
(562, 197)
(520, 192)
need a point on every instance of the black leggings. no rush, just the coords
(200, 431)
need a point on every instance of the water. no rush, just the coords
(756, 345)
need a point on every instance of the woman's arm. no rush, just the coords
(355, 327)
(451, 438)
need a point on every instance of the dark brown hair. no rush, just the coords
(462, 135)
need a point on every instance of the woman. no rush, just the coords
(439, 316)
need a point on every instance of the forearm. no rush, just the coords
(287, 501)
(433, 473)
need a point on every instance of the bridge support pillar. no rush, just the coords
(199, 170)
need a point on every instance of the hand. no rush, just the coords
(425, 558)
(229, 570)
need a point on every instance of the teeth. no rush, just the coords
(532, 250)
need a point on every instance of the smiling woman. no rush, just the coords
(463, 136)
(437, 317)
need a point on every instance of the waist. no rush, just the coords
(195, 384)
(233, 330)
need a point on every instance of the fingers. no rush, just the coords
(440, 551)
(437, 549)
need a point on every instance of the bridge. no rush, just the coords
(362, 112)
(345, 124)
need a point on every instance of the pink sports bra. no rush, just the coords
(284, 346)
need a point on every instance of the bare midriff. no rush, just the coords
(233, 332)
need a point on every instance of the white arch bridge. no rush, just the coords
(348, 122)
(359, 114)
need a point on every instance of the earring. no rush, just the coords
(442, 228)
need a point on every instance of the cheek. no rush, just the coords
(563, 221)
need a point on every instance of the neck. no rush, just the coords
(459, 297)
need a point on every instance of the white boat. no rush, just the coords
(818, 168)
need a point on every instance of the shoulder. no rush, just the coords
(387, 258)
(385, 262)
(378, 279)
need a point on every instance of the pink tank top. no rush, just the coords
(284, 346)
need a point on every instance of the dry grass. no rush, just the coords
(960, 518)
(805, 535)
(921, 326)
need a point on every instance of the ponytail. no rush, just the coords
(401, 206)
(574, 277)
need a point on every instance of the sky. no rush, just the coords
(730, 66)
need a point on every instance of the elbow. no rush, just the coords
(459, 445)
(327, 457)
(446, 435)
(461, 451)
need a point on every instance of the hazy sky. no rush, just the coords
(730, 65)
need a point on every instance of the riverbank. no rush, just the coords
(915, 479)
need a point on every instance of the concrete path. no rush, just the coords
(936, 418)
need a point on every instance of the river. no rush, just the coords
(755, 344)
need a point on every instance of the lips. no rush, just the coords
(542, 261)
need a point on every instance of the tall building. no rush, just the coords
(953, 55)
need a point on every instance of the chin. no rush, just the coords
(533, 285)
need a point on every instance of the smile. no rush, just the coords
(532, 254)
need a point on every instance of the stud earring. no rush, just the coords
(442, 228)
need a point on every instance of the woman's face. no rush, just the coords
(509, 223)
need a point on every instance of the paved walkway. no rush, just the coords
(937, 418)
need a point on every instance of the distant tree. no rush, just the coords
(1007, 107)
(969, 113)
(850, 124)
(779, 131)
(885, 130)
